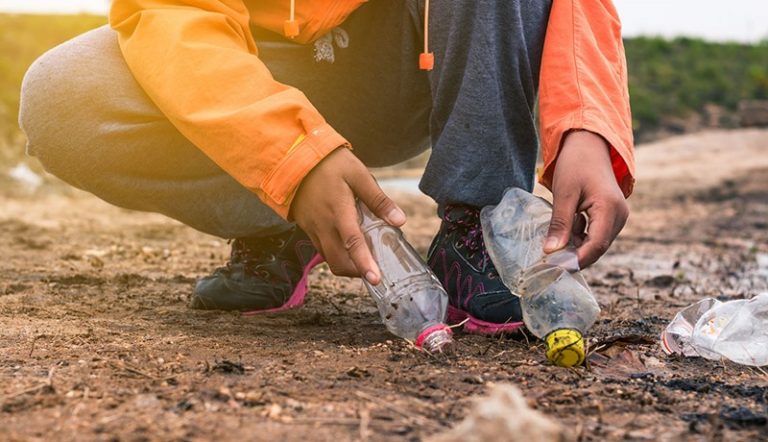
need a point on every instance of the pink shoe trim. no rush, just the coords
(429, 330)
(297, 297)
(478, 326)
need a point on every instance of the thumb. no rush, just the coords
(563, 210)
(368, 191)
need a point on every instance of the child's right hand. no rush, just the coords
(324, 207)
(584, 183)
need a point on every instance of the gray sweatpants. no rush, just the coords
(90, 123)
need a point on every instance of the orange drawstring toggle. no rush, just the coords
(426, 61)
(291, 28)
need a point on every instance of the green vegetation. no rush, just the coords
(674, 78)
(678, 78)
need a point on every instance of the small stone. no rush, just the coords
(274, 411)
(476, 380)
(503, 415)
(294, 404)
(357, 372)
(253, 396)
(147, 401)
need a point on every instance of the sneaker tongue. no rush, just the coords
(465, 222)
(254, 249)
(461, 214)
(270, 243)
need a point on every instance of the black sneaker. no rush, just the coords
(263, 275)
(475, 291)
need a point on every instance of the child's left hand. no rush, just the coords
(583, 182)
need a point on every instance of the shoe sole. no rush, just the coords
(299, 293)
(480, 327)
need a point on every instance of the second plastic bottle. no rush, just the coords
(411, 300)
(556, 301)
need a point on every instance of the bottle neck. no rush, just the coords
(435, 338)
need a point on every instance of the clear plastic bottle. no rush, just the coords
(743, 334)
(676, 338)
(735, 330)
(411, 300)
(556, 301)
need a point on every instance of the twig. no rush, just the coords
(527, 341)
(32, 347)
(412, 346)
(763, 372)
(47, 384)
(338, 309)
(576, 371)
(459, 324)
(487, 349)
(23, 392)
(499, 354)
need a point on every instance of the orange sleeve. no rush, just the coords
(197, 61)
(583, 84)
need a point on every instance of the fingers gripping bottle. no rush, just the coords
(556, 301)
(411, 300)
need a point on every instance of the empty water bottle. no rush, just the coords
(735, 330)
(676, 338)
(556, 301)
(411, 300)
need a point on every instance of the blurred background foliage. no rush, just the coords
(680, 77)
(672, 82)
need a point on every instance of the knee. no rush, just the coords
(54, 97)
(38, 105)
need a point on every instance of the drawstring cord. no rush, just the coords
(465, 221)
(426, 58)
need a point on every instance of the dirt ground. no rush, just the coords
(97, 342)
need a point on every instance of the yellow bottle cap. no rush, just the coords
(565, 348)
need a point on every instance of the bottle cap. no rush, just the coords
(435, 338)
(565, 348)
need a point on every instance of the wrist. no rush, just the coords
(585, 139)
(586, 155)
(586, 147)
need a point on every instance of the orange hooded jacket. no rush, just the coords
(268, 136)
